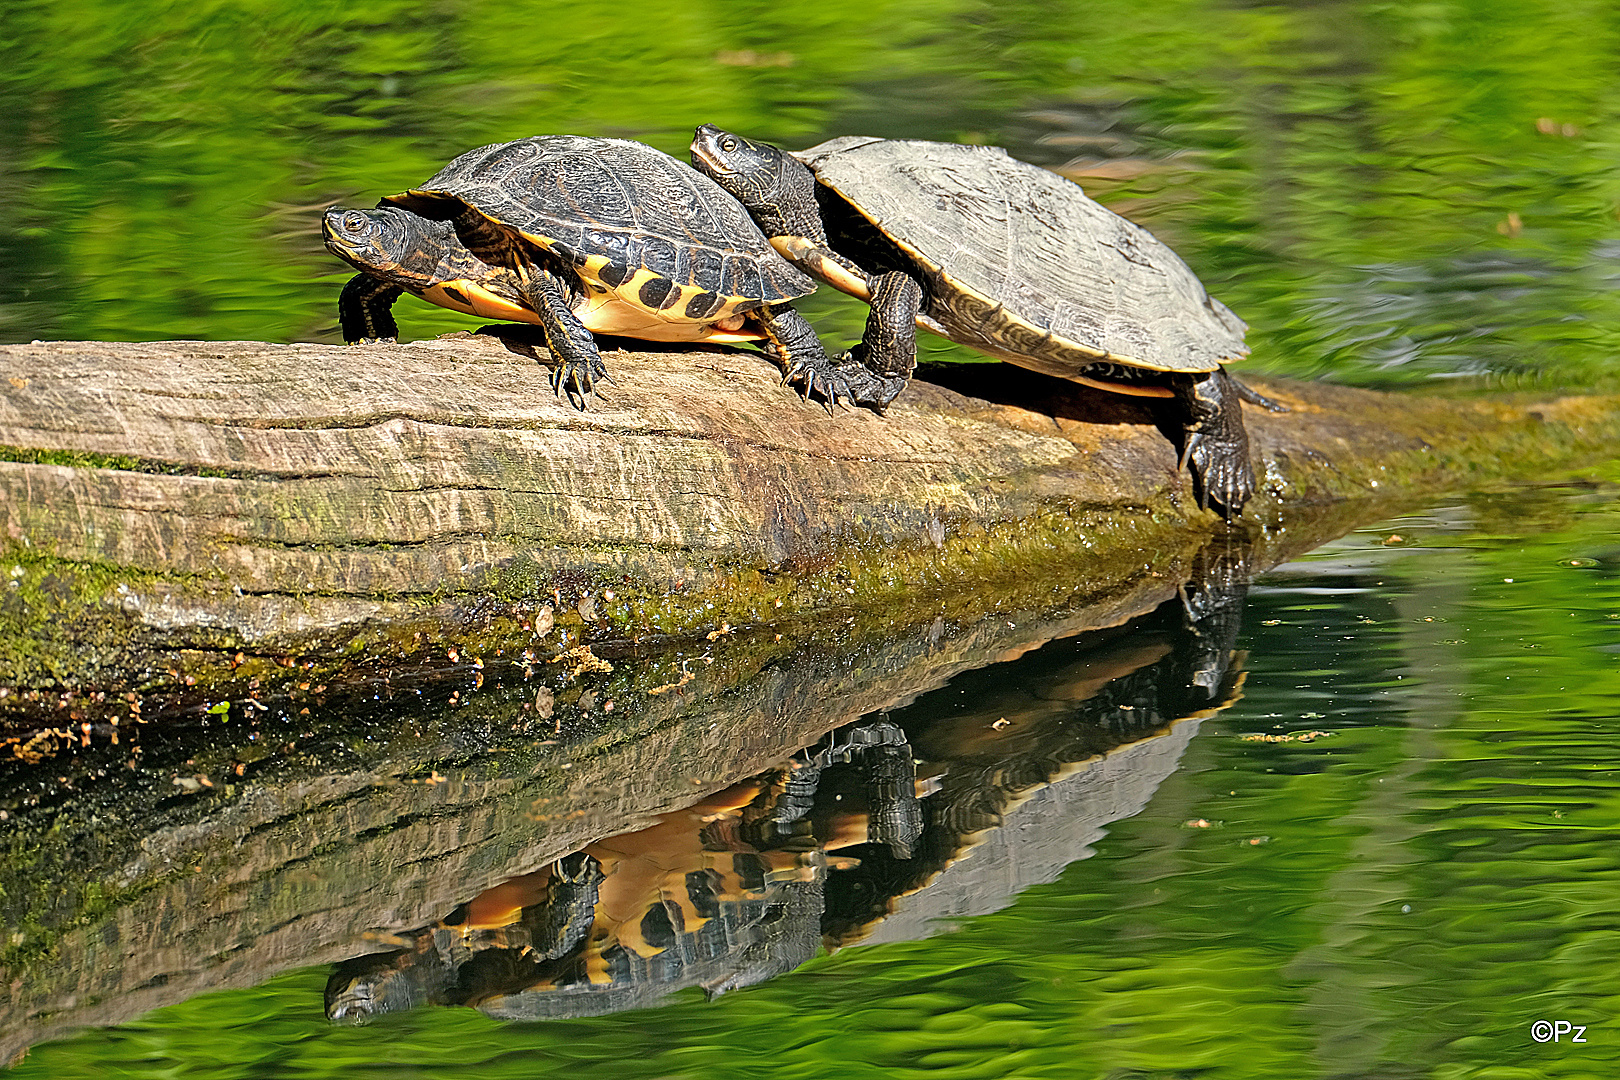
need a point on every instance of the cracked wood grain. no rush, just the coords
(371, 475)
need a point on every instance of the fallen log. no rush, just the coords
(190, 513)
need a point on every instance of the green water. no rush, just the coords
(1390, 194)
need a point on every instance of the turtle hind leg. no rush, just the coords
(364, 310)
(1255, 397)
(1215, 446)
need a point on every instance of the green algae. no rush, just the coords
(83, 459)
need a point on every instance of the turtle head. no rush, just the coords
(392, 243)
(776, 188)
(374, 240)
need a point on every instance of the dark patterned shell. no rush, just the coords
(1021, 264)
(614, 208)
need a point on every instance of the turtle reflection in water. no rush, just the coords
(723, 894)
(1124, 697)
(753, 880)
(1009, 259)
(581, 236)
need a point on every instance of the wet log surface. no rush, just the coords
(214, 511)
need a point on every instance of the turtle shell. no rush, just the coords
(1019, 263)
(638, 227)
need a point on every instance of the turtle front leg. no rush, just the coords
(794, 344)
(1215, 446)
(579, 361)
(888, 349)
(364, 311)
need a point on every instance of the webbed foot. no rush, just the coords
(794, 345)
(1214, 445)
(865, 387)
(812, 375)
(843, 379)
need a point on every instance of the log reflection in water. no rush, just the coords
(866, 834)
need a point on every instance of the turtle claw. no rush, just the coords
(808, 376)
(1194, 440)
(1255, 397)
(863, 387)
(826, 387)
(576, 380)
(842, 381)
(1222, 477)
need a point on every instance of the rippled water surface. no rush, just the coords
(1358, 820)
(1388, 193)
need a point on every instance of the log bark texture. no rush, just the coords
(167, 500)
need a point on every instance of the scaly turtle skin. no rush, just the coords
(591, 235)
(1009, 259)
(398, 251)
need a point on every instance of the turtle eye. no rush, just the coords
(355, 221)
(728, 144)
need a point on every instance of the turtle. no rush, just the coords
(543, 916)
(585, 235)
(1009, 259)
